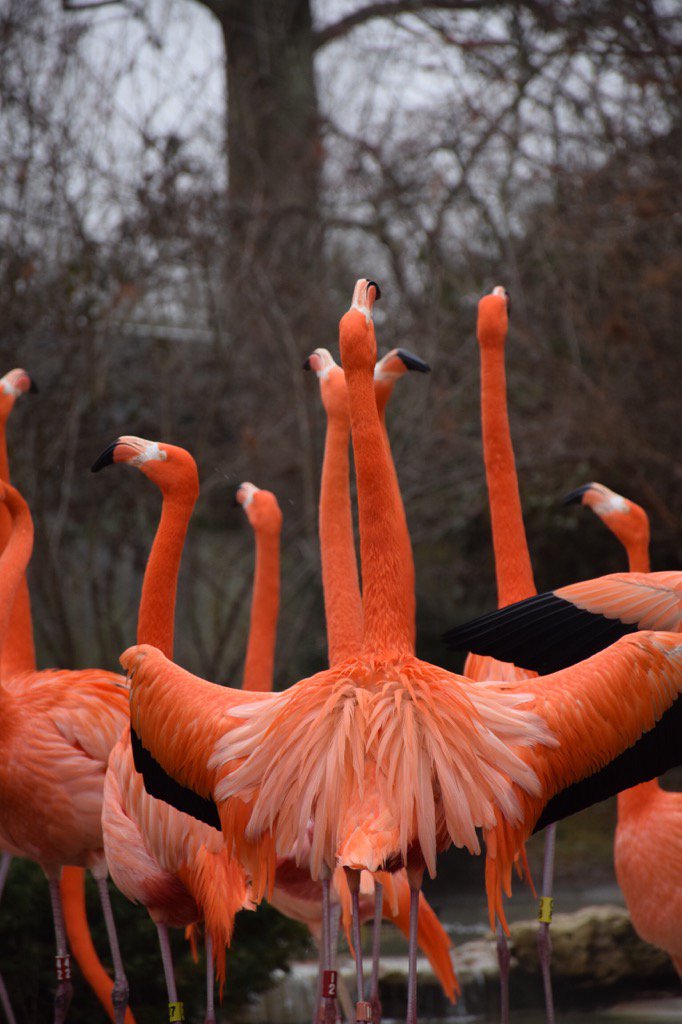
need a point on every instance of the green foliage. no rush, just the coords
(264, 943)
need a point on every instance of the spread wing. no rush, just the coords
(562, 627)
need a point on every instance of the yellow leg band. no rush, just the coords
(545, 909)
(176, 1012)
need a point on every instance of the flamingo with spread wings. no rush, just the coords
(387, 758)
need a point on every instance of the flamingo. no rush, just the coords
(343, 610)
(60, 727)
(649, 828)
(514, 576)
(18, 659)
(172, 864)
(385, 757)
(294, 893)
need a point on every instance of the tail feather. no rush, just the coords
(220, 889)
(72, 887)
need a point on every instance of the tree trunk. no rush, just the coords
(273, 145)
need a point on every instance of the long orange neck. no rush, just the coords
(403, 530)
(259, 667)
(638, 556)
(18, 653)
(14, 558)
(512, 560)
(386, 597)
(340, 582)
(156, 616)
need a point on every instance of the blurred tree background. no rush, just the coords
(189, 188)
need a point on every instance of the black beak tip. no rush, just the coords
(306, 365)
(374, 285)
(33, 387)
(413, 362)
(105, 459)
(235, 500)
(575, 497)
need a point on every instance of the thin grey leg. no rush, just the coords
(167, 960)
(120, 992)
(412, 957)
(503, 959)
(64, 992)
(210, 982)
(545, 915)
(376, 951)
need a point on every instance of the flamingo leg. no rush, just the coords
(329, 1002)
(376, 952)
(503, 959)
(167, 960)
(210, 982)
(318, 1007)
(415, 880)
(121, 991)
(544, 938)
(5, 863)
(64, 991)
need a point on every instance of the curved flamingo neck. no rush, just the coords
(386, 597)
(259, 666)
(156, 616)
(14, 558)
(638, 556)
(18, 651)
(340, 581)
(513, 568)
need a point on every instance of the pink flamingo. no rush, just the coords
(172, 864)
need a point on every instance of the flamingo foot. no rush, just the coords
(545, 955)
(62, 1001)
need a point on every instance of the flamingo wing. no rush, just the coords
(180, 718)
(616, 717)
(599, 712)
(550, 631)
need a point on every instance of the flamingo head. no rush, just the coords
(356, 329)
(493, 318)
(390, 368)
(15, 383)
(171, 468)
(626, 520)
(332, 383)
(261, 507)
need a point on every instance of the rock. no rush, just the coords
(593, 948)
(597, 959)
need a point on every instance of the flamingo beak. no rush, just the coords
(33, 387)
(105, 459)
(412, 362)
(373, 284)
(576, 497)
(306, 365)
